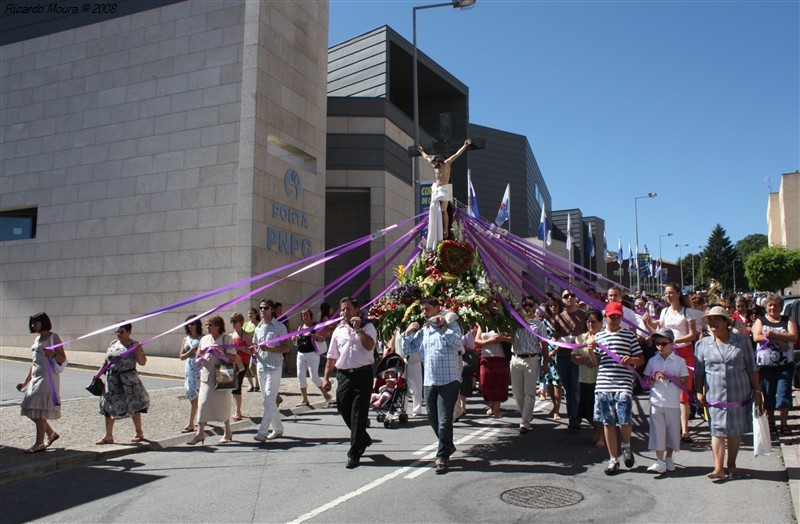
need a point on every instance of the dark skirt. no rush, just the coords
(494, 379)
(586, 406)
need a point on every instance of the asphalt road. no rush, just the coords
(73, 382)
(302, 478)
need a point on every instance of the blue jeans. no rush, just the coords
(568, 373)
(441, 402)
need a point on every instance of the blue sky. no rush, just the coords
(696, 101)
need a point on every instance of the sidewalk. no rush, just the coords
(81, 424)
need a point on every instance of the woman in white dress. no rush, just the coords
(215, 404)
(41, 385)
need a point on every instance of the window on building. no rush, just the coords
(18, 224)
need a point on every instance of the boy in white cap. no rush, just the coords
(665, 413)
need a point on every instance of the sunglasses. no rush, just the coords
(264, 308)
(527, 305)
(568, 295)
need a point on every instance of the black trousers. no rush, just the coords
(353, 390)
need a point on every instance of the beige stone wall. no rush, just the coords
(142, 141)
(783, 216)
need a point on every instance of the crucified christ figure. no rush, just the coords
(441, 190)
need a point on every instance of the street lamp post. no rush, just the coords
(661, 258)
(694, 289)
(680, 257)
(636, 222)
(415, 175)
(734, 272)
(701, 264)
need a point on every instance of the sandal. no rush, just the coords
(187, 429)
(104, 441)
(35, 449)
(236, 418)
(52, 438)
(138, 438)
(785, 430)
(687, 439)
(304, 404)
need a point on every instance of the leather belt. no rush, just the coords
(353, 370)
(527, 356)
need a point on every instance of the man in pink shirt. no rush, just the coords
(351, 354)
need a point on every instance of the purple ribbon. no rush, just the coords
(338, 250)
(206, 352)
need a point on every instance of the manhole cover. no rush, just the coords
(541, 497)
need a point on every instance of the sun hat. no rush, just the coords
(717, 311)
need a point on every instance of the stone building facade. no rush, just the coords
(162, 153)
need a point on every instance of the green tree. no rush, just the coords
(719, 255)
(773, 268)
(744, 248)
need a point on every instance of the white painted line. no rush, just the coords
(344, 498)
(490, 434)
(419, 471)
(427, 449)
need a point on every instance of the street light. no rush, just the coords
(660, 258)
(458, 4)
(701, 248)
(636, 221)
(734, 272)
(680, 257)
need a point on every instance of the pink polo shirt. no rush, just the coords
(346, 347)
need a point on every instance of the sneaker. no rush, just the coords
(657, 467)
(260, 438)
(670, 464)
(523, 429)
(441, 466)
(612, 468)
(627, 454)
(273, 435)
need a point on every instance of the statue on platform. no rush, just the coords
(441, 194)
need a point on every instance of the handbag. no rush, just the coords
(96, 387)
(762, 444)
(224, 376)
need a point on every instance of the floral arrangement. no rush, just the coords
(453, 274)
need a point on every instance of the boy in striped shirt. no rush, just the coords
(613, 404)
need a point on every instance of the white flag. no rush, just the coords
(504, 212)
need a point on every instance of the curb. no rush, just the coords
(73, 458)
(140, 370)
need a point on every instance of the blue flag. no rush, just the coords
(545, 232)
(472, 200)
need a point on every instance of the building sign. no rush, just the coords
(284, 241)
(424, 196)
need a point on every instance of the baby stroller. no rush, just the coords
(389, 393)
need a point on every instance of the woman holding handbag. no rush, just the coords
(775, 334)
(125, 395)
(217, 355)
(41, 385)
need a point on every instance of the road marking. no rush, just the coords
(426, 459)
(344, 498)
(413, 468)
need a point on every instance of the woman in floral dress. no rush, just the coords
(125, 395)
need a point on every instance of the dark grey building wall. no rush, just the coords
(505, 158)
(17, 26)
(344, 221)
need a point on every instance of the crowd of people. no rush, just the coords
(590, 350)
